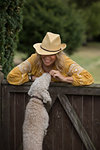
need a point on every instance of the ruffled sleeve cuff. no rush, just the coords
(84, 78)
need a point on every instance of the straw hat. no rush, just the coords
(50, 45)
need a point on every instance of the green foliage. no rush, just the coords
(91, 10)
(93, 20)
(10, 25)
(54, 16)
(83, 3)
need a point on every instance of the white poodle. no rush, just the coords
(36, 116)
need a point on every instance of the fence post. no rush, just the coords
(1, 74)
(1, 79)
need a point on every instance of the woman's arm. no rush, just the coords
(79, 74)
(19, 74)
(75, 74)
(57, 75)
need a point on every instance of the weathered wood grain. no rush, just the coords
(61, 133)
(76, 122)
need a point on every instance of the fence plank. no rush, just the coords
(67, 132)
(6, 116)
(96, 121)
(76, 122)
(1, 135)
(77, 104)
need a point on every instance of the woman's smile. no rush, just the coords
(48, 60)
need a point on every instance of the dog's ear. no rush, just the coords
(46, 96)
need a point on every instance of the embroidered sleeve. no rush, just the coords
(84, 78)
(19, 74)
(15, 77)
(79, 74)
(25, 67)
(74, 68)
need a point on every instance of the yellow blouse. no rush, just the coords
(19, 74)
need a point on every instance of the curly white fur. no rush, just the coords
(36, 116)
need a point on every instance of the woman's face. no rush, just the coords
(48, 60)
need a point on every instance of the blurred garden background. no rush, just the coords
(23, 23)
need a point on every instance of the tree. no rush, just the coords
(93, 20)
(83, 3)
(91, 10)
(42, 16)
(10, 25)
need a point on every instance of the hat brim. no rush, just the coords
(41, 51)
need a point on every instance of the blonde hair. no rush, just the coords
(59, 63)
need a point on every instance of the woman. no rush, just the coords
(50, 58)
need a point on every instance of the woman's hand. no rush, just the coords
(57, 75)
(33, 78)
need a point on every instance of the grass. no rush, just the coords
(86, 56)
(89, 58)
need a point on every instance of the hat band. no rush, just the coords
(50, 50)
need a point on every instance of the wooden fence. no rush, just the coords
(74, 116)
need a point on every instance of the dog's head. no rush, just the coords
(40, 87)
